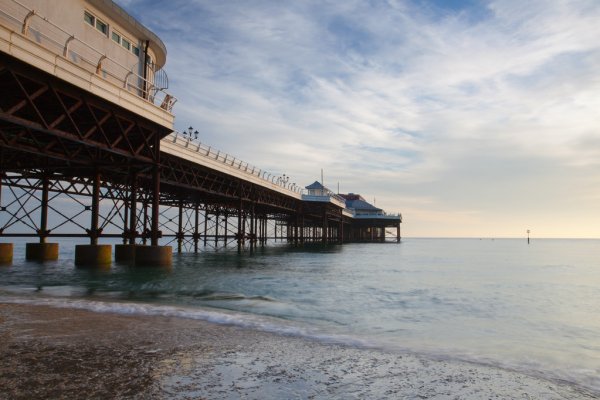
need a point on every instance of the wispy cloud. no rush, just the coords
(481, 109)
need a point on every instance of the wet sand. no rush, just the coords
(55, 353)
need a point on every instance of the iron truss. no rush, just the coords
(75, 165)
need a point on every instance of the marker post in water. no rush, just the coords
(528, 236)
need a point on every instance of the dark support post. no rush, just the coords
(144, 234)
(217, 229)
(44, 212)
(341, 227)
(240, 227)
(324, 233)
(252, 229)
(155, 206)
(133, 209)
(94, 255)
(155, 255)
(125, 220)
(94, 233)
(226, 220)
(398, 233)
(205, 226)
(180, 227)
(196, 221)
(125, 253)
(43, 251)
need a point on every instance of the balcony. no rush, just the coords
(34, 39)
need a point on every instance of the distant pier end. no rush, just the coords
(88, 150)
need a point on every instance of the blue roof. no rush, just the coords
(315, 185)
(361, 205)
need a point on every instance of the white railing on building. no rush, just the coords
(202, 150)
(27, 22)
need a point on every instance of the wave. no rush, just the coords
(231, 296)
(221, 317)
(584, 380)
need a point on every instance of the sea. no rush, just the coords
(532, 308)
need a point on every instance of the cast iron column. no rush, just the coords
(155, 206)
(94, 233)
(217, 229)
(205, 226)
(44, 212)
(196, 235)
(133, 209)
(324, 233)
(180, 227)
(341, 227)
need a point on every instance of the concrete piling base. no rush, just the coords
(41, 251)
(6, 253)
(93, 255)
(125, 253)
(154, 256)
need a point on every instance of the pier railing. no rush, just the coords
(381, 215)
(203, 151)
(200, 152)
(28, 23)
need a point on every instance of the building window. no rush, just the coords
(92, 20)
(89, 18)
(102, 27)
(126, 43)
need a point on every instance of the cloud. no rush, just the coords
(459, 103)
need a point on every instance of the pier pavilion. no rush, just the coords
(88, 150)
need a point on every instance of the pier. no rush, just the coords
(88, 150)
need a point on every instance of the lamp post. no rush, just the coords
(190, 131)
(285, 180)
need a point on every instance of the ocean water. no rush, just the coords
(530, 308)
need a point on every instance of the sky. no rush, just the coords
(471, 118)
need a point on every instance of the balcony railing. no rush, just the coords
(38, 28)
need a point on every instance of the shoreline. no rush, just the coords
(52, 352)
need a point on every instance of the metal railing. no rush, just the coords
(377, 214)
(192, 144)
(28, 23)
(200, 149)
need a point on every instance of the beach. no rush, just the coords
(65, 353)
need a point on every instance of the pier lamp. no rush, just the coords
(196, 135)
